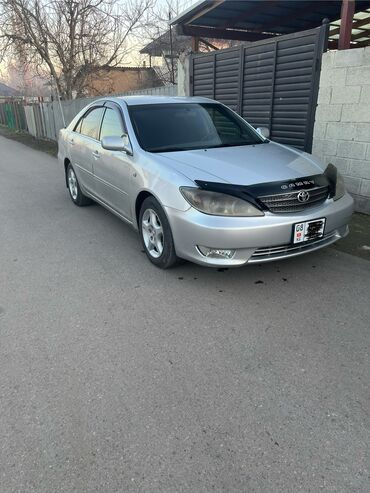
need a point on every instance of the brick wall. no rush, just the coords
(116, 80)
(342, 126)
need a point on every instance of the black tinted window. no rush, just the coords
(91, 123)
(112, 124)
(173, 127)
(225, 126)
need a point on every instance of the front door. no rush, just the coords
(113, 169)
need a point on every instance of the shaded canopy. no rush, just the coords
(253, 20)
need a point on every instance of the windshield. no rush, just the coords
(186, 126)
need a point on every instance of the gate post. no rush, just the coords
(321, 47)
(191, 75)
(241, 81)
(183, 75)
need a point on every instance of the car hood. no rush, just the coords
(243, 165)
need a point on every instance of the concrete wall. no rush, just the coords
(183, 75)
(342, 126)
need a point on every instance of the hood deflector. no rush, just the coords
(250, 193)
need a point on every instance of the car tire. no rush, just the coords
(78, 198)
(156, 235)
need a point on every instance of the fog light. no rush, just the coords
(216, 252)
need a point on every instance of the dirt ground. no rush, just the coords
(358, 241)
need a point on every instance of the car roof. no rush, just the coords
(140, 99)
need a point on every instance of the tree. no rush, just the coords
(167, 44)
(26, 80)
(162, 38)
(71, 39)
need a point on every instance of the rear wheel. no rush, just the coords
(156, 235)
(75, 192)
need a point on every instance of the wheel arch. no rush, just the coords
(144, 194)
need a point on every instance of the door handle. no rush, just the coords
(96, 154)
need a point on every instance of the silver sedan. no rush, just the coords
(199, 183)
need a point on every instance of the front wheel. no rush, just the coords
(156, 235)
(75, 192)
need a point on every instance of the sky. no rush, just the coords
(134, 58)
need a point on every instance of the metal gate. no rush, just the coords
(271, 83)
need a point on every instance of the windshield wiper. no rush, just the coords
(239, 144)
(229, 144)
(168, 149)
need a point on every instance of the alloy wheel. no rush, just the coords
(72, 183)
(152, 233)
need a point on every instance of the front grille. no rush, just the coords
(270, 253)
(288, 202)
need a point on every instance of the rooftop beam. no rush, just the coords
(208, 44)
(360, 44)
(206, 9)
(356, 23)
(210, 32)
(364, 34)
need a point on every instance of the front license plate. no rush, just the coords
(309, 230)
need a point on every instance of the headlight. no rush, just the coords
(340, 188)
(218, 204)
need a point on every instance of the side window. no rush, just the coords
(91, 123)
(112, 125)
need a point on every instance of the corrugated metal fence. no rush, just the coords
(44, 120)
(12, 115)
(272, 83)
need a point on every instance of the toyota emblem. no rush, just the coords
(303, 196)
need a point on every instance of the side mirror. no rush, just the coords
(117, 144)
(264, 132)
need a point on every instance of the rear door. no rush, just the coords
(113, 169)
(83, 142)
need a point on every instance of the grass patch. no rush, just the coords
(48, 146)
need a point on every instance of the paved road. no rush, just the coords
(118, 377)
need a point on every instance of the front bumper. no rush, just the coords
(254, 239)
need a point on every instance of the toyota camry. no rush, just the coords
(200, 183)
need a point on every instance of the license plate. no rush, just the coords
(308, 230)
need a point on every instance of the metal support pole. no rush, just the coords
(346, 19)
(172, 78)
(60, 105)
(194, 44)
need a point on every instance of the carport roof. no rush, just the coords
(252, 20)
